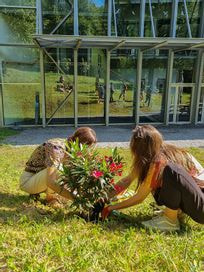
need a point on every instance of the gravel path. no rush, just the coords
(184, 136)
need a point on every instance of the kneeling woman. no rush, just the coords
(41, 171)
(169, 173)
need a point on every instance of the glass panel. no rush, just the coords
(161, 19)
(152, 97)
(92, 17)
(127, 16)
(184, 67)
(59, 86)
(91, 85)
(194, 8)
(17, 25)
(201, 106)
(180, 103)
(54, 12)
(123, 83)
(18, 2)
(20, 82)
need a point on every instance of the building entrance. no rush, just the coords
(180, 106)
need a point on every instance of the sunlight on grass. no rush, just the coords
(34, 237)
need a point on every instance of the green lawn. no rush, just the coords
(34, 237)
(5, 132)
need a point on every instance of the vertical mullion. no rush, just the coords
(142, 17)
(76, 18)
(42, 75)
(174, 18)
(1, 96)
(197, 91)
(201, 34)
(168, 86)
(115, 19)
(75, 88)
(107, 101)
(39, 25)
(109, 16)
(138, 86)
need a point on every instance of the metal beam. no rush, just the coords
(142, 17)
(174, 18)
(187, 19)
(190, 47)
(138, 87)
(118, 45)
(17, 7)
(42, 75)
(152, 19)
(156, 46)
(168, 86)
(199, 77)
(107, 96)
(75, 87)
(59, 107)
(18, 45)
(48, 54)
(64, 19)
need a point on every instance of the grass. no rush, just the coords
(5, 132)
(35, 238)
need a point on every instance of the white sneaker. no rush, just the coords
(163, 223)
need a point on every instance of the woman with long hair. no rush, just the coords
(41, 171)
(170, 173)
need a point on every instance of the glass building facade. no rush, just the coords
(143, 62)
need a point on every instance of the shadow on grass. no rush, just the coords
(20, 208)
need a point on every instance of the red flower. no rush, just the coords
(120, 173)
(120, 165)
(97, 174)
(79, 153)
(113, 167)
(112, 181)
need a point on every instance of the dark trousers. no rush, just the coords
(180, 191)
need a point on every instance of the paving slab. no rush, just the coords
(183, 135)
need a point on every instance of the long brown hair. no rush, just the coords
(147, 146)
(86, 135)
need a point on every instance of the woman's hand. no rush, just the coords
(105, 212)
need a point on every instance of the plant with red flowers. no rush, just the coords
(89, 176)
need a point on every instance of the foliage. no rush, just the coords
(21, 22)
(89, 176)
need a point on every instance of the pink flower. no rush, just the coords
(97, 174)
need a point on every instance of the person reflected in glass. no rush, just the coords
(148, 96)
(101, 93)
(123, 91)
(111, 92)
(62, 86)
